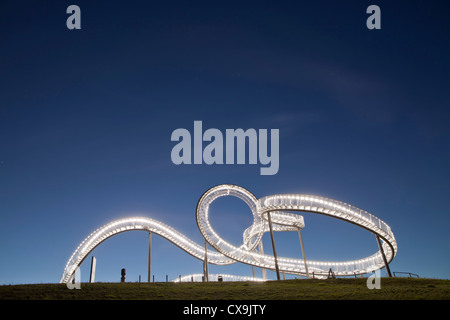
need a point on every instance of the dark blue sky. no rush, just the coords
(86, 118)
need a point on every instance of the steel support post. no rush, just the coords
(303, 252)
(273, 247)
(384, 257)
(205, 264)
(149, 256)
(263, 270)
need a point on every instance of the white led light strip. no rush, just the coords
(280, 208)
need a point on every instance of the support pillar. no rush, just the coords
(303, 253)
(384, 257)
(263, 270)
(205, 264)
(273, 247)
(149, 255)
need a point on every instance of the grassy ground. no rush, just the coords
(332, 289)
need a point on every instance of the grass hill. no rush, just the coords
(331, 289)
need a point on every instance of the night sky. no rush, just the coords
(86, 118)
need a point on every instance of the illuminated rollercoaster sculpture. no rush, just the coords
(270, 213)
